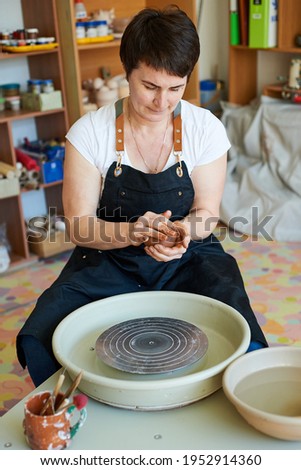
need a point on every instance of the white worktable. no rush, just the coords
(211, 423)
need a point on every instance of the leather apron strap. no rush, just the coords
(177, 137)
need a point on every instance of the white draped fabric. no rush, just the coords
(262, 195)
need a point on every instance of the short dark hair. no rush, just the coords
(164, 39)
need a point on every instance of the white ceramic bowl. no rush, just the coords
(265, 388)
(75, 337)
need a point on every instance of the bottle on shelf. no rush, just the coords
(80, 10)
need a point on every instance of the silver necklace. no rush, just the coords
(152, 170)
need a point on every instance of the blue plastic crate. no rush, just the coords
(52, 171)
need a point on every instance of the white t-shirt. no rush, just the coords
(204, 138)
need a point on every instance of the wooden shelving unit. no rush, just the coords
(42, 64)
(243, 61)
(84, 62)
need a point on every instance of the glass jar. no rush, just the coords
(5, 35)
(13, 103)
(34, 86)
(47, 86)
(32, 35)
(11, 89)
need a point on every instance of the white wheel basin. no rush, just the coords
(75, 337)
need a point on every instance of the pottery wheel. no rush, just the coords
(151, 345)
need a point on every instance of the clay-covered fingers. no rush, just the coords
(153, 228)
(183, 235)
(161, 224)
(180, 236)
(138, 233)
(161, 229)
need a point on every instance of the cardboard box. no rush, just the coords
(42, 101)
(9, 187)
(56, 242)
(263, 22)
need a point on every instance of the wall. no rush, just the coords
(213, 30)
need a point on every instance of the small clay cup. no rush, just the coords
(50, 431)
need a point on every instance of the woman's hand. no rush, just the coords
(163, 253)
(152, 228)
(171, 248)
(164, 240)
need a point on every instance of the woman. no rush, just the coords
(142, 189)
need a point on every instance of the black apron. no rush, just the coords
(92, 274)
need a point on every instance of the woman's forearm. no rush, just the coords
(200, 223)
(91, 232)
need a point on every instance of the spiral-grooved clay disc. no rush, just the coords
(151, 345)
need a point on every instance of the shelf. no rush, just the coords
(6, 116)
(84, 62)
(245, 63)
(291, 50)
(277, 91)
(43, 186)
(13, 56)
(42, 63)
(100, 45)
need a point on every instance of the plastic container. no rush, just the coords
(102, 28)
(45, 40)
(211, 94)
(80, 10)
(91, 29)
(80, 28)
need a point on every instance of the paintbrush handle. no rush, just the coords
(58, 386)
(49, 402)
(64, 405)
(52, 398)
(70, 390)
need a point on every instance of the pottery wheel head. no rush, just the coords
(151, 345)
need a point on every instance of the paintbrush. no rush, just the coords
(52, 397)
(79, 402)
(70, 390)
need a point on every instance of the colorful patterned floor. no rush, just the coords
(18, 293)
(272, 274)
